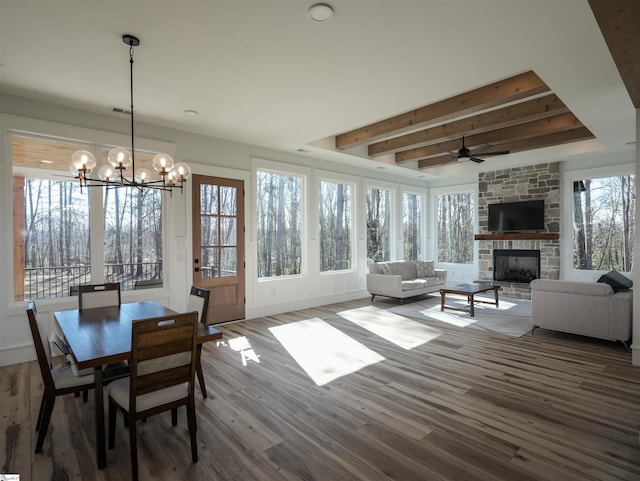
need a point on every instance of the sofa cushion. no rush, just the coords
(412, 284)
(425, 269)
(405, 269)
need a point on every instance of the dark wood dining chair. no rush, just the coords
(163, 363)
(199, 302)
(57, 380)
(99, 295)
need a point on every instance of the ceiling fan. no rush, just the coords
(465, 154)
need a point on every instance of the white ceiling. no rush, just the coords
(261, 72)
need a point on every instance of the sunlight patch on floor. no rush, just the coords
(399, 330)
(243, 346)
(322, 351)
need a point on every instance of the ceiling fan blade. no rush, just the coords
(481, 149)
(477, 160)
(499, 152)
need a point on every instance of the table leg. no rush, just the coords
(441, 301)
(495, 291)
(101, 454)
(471, 304)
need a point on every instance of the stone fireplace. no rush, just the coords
(540, 181)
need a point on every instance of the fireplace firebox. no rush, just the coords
(516, 265)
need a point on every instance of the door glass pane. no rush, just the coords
(228, 200)
(228, 231)
(229, 262)
(209, 259)
(209, 199)
(209, 230)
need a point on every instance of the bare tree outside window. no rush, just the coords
(335, 214)
(455, 220)
(55, 238)
(378, 224)
(132, 235)
(604, 223)
(279, 217)
(412, 226)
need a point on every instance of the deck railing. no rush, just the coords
(53, 282)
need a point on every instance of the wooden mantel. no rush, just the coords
(519, 236)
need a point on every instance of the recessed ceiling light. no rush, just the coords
(191, 113)
(320, 12)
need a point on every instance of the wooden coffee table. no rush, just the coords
(468, 290)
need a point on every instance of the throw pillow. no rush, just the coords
(617, 281)
(425, 269)
(386, 269)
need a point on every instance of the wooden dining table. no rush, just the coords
(101, 336)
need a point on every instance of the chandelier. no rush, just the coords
(169, 176)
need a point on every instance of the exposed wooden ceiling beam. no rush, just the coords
(508, 90)
(526, 130)
(528, 110)
(556, 138)
(618, 21)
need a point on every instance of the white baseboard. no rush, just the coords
(17, 354)
(279, 308)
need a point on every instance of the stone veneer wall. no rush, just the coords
(513, 185)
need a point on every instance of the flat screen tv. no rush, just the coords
(516, 216)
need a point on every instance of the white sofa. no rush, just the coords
(587, 308)
(400, 279)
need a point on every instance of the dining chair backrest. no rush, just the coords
(199, 302)
(40, 335)
(99, 295)
(163, 354)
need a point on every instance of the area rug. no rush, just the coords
(322, 351)
(511, 318)
(395, 328)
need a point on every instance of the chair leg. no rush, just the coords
(191, 421)
(39, 422)
(133, 444)
(174, 417)
(112, 422)
(203, 388)
(49, 402)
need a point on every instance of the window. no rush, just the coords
(335, 213)
(378, 224)
(279, 215)
(455, 224)
(54, 224)
(51, 252)
(218, 230)
(604, 223)
(412, 226)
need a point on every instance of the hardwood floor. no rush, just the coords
(467, 405)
